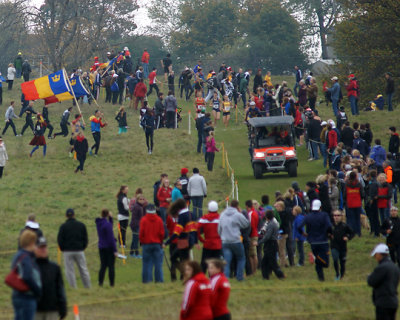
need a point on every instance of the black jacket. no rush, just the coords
(285, 222)
(347, 136)
(121, 118)
(314, 130)
(53, 294)
(72, 236)
(339, 231)
(324, 198)
(45, 114)
(81, 147)
(394, 143)
(389, 86)
(384, 281)
(393, 224)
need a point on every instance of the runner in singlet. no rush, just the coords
(226, 110)
(199, 102)
(216, 103)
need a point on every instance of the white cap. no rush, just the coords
(108, 52)
(252, 103)
(380, 248)
(316, 205)
(213, 206)
(335, 78)
(323, 123)
(126, 49)
(332, 124)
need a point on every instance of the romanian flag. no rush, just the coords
(54, 85)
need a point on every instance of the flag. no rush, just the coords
(78, 87)
(53, 85)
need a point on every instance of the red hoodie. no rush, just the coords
(196, 304)
(140, 90)
(151, 229)
(352, 88)
(220, 295)
(332, 138)
(253, 217)
(208, 225)
(162, 195)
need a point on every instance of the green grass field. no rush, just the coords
(47, 186)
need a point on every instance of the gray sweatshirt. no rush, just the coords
(10, 113)
(271, 231)
(230, 223)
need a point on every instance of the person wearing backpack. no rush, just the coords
(352, 94)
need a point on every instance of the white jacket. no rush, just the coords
(197, 186)
(11, 73)
(3, 155)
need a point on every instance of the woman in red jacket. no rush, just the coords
(220, 290)
(196, 304)
(140, 93)
(384, 196)
(354, 194)
(164, 197)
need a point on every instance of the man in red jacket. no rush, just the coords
(208, 225)
(145, 63)
(253, 218)
(151, 236)
(352, 93)
(140, 93)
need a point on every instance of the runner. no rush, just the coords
(199, 102)
(216, 103)
(226, 111)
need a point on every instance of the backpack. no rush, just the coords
(114, 87)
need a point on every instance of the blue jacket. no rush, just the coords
(361, 146)
(296, 223)
(176, 194)
(318, 224)
(378, 154)
(29, 272)
(335, 91)
(1, 81)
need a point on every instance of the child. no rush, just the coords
(226, 111)
(121, 118)
(210, 148)
(299, 238)
(341, 233)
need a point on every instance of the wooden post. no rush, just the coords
(73, 94)
(120, 241)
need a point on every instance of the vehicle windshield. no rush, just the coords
(274, 136)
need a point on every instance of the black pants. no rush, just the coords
(115, 97)
(174, 258)
(108, 94)
(97, 138)
(50, 127)
(210, 160)
(171, 119)
(124, 226)
(121, 95)
(107, 260)
(269, 263)
(199, 140)
(188, 91)
(64, 130)
(154, 85)
(81, 158)
(339, 257)
(209, 254)
(8, 124)
(10, 84)
(1, 95)
(385, 313)
(289, 248)
(311, 102)
(149, 139)
(28, 123)
(1, 172)
(321, 254)
(394, 251)
(26, 77)
(224, 317)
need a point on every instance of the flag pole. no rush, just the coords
(73, 93)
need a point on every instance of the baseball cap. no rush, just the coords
(335, 78)
(323, 123)
(380, 248)
(70, 212)
(42, 242)
(316, 205)
(184, 170)
(252, 103)
(213, 206)
(150, 208)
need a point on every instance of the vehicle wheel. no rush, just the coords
(258, 170)
(292, 169)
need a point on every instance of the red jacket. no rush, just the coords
(353, 195)
(208, 225)
(140, 90)
(162, 195)
(383, 196)
(171, 223)
(253, 217)
(145, 57)
(220, 295)
(196, 304)
(151, 229)
(332, 138)
(352, 88)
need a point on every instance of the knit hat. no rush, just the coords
(213, 206)
(150, 208)
(70, 212)
(184, 171)
(295, 186)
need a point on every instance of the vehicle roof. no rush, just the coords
(271, 121)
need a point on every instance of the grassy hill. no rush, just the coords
(47, 187)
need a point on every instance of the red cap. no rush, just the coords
(229, 69)
(184, 171)
(351, 76)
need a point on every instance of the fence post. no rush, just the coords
(227, 163)
(237, 190)
(189, 128)
(223, 155)
(120, 240)
(76, 312)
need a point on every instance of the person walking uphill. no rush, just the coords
(211, 148)
(231, 222)
(52, 305)
(197, 190)
(25, 302)
(107, 247)
(384, 281)
(72, 239)
(28, 118)
(318, 226)
(96, 125)
(81, 147)
(151, 236)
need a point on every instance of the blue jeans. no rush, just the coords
(197, 205)
(234, 249)
(18, 73)
(384, 213)
(389, 101)
(353, 105)
(353, 219)
(135, 240)
(24, 308)
(314, 146)
(295, 88)
(145, 70)
(335, 109)
(152, 258)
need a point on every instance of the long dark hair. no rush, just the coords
(121, 191)
(176, 206)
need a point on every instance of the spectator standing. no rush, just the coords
(10, 76)
(26, 70)
(107, 248)
(1, 88)
(197, 190)
(184, 183)
(297, 236)
(378, 154)
(231, 222)
(360, 145)
(18, 65)
(394, 142)
(123, 213)
(352, 94)
(384, 281)
(210, 150)
(254, 219)
(138, 213)
(25, 303)
(391, 229)
(53, 302)
(73, 239)
(390, 88)
(3, 156)
(151, 236)
(145, 63)
(354, 193)
(312, 93)
(385, 192)
(171, 106)
(335, 92)
(298, 76)
(164, 195)
(177, 191)
(159, 109)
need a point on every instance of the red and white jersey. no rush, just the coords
(208, 225)
(220, 295)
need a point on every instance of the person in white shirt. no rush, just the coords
(197, 190)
